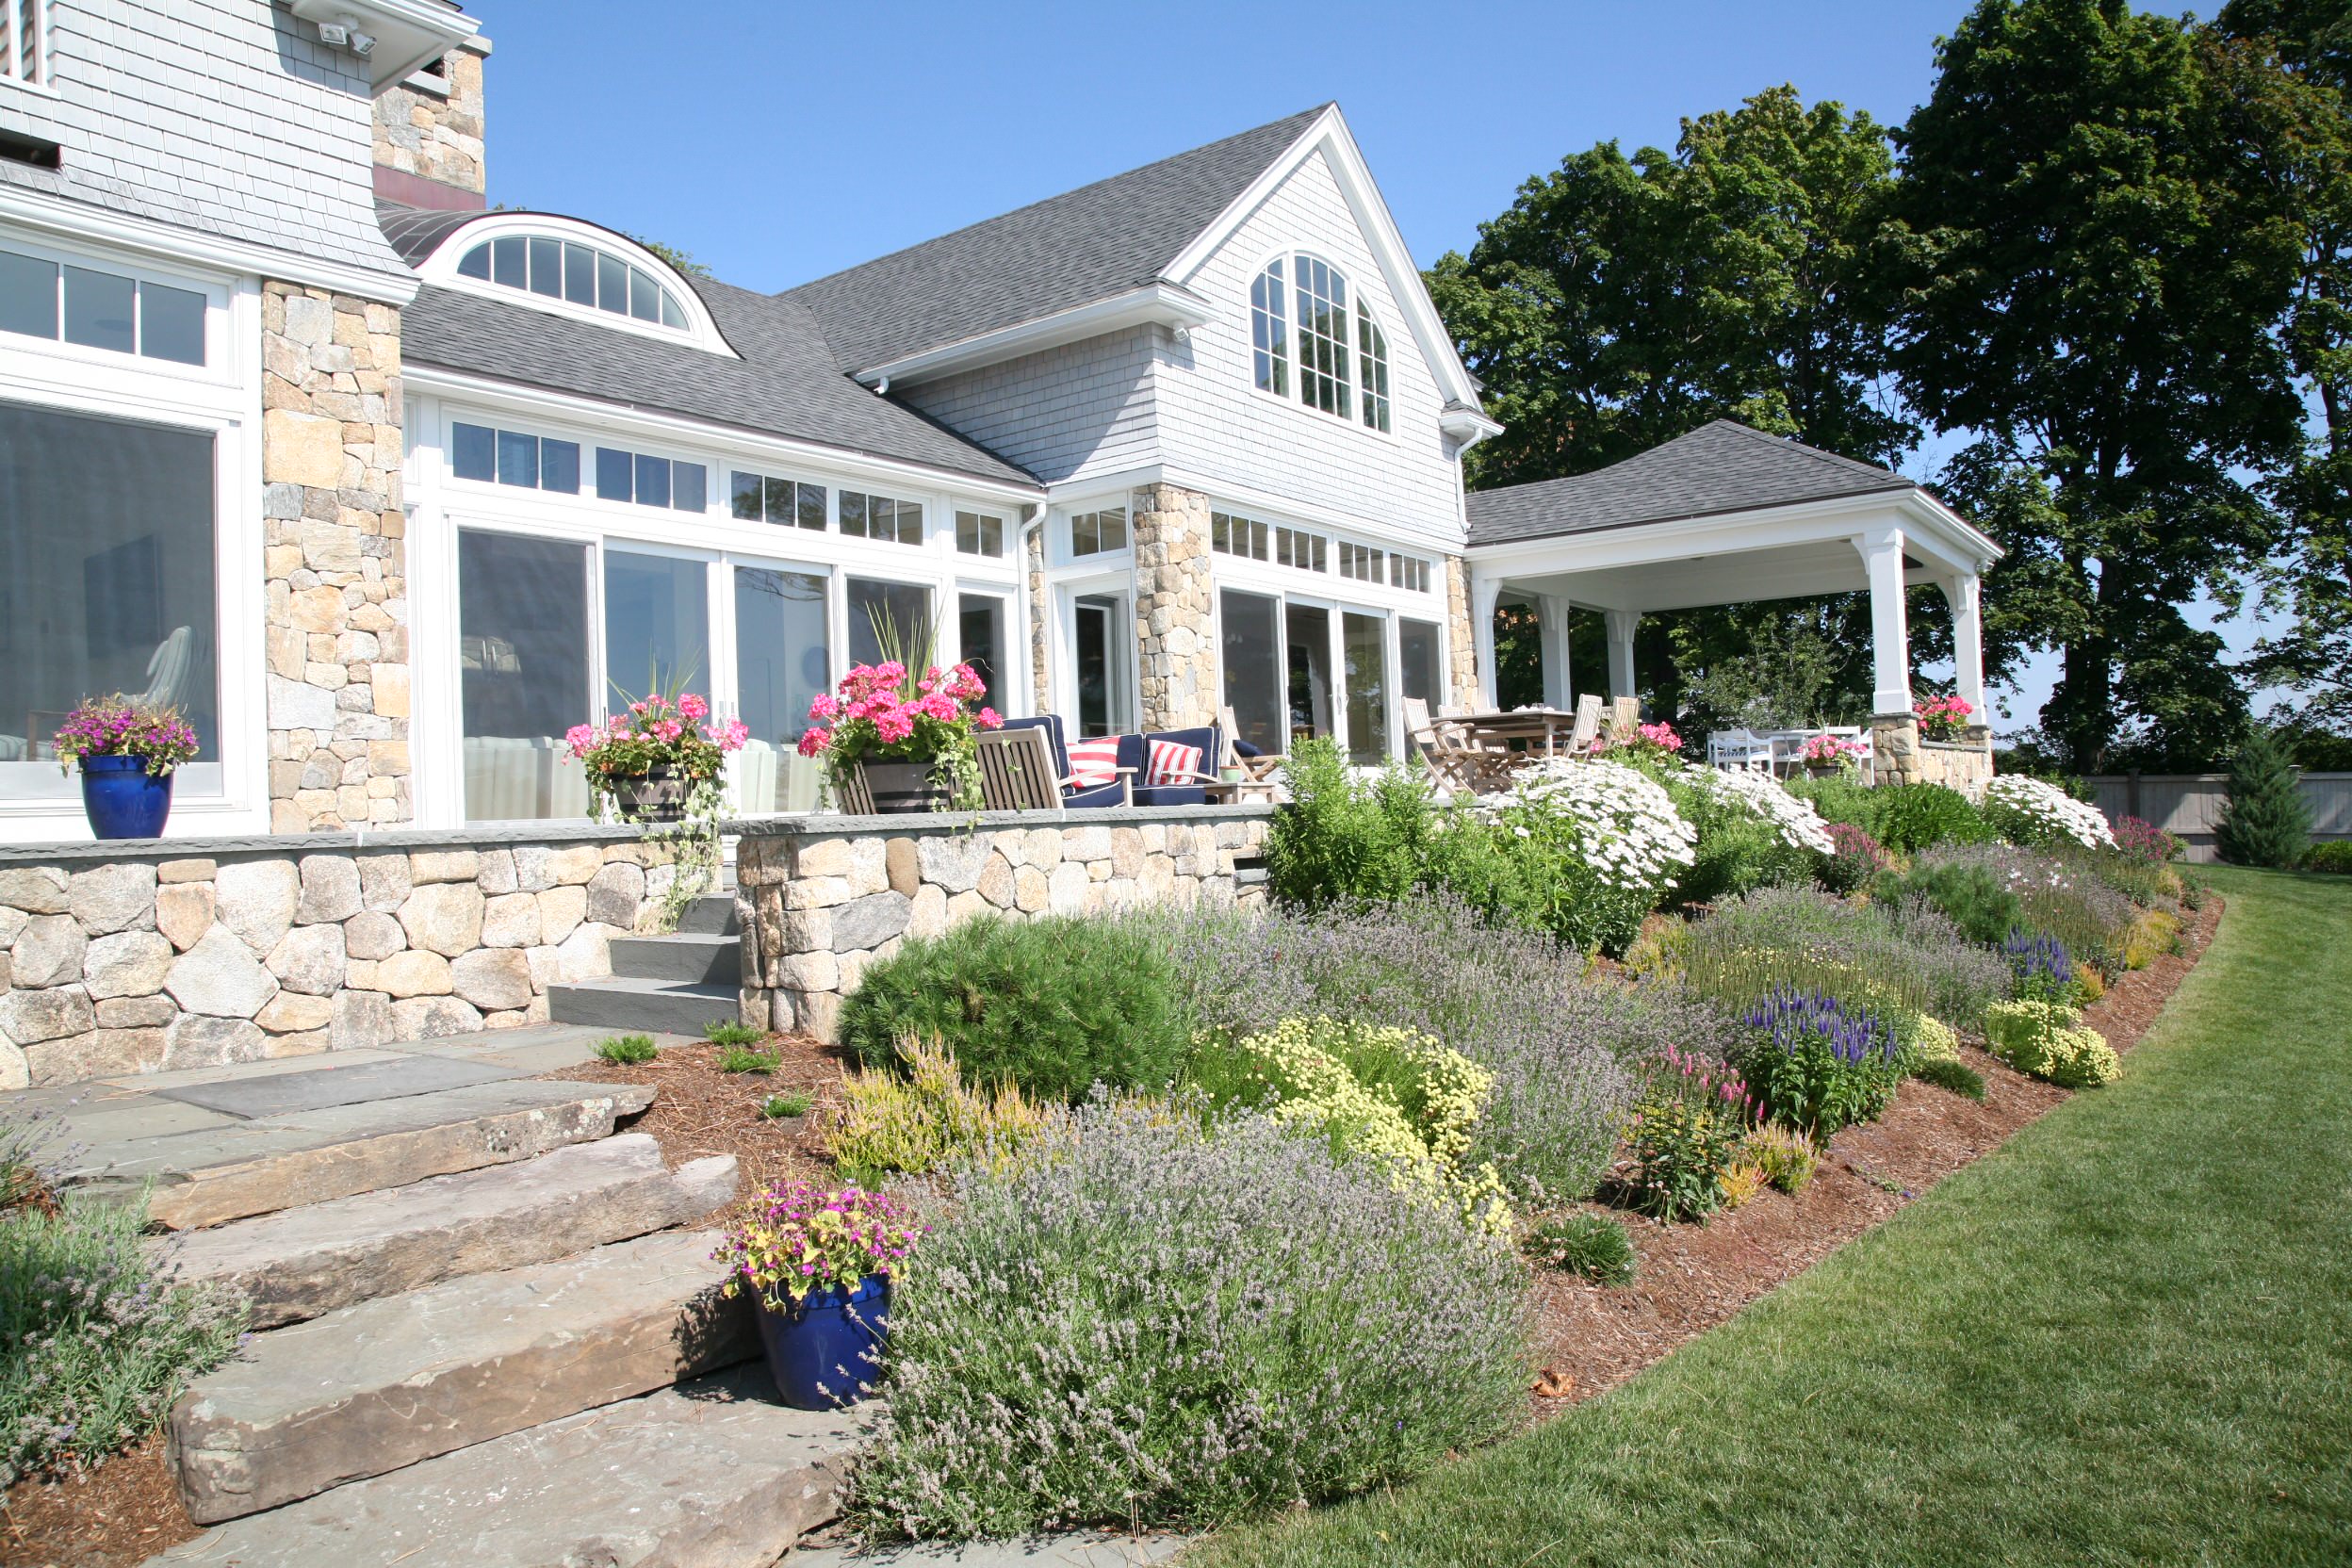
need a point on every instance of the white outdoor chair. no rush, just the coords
(1739, 749)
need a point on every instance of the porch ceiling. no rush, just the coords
(1689, 583)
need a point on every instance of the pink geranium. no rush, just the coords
(658, 732)
(892, 712)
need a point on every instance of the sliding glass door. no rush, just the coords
(657, 626)
(1307, 631)
(1251, 648)
(782, 662)
(1363, 658)
(524, 669)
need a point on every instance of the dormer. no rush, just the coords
(561, 265)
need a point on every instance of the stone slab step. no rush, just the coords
(211, 1174)
(711, 1474)
(711, 915)
(300, 1263)
(659, 1006)
(694, 959)
(367, 1389)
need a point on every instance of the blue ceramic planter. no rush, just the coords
(833, 1338)
(122, 799)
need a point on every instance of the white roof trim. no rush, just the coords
(1329, 134)
(407, 33)
(440, 269)
(81, 221)
(1168, 304)
(1945, 535)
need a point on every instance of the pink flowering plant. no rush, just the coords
(792, 1239)
(1834, 750)
(117, 726)
(1943, 718)
(888, 712)
(1649, 741)
(664, 730)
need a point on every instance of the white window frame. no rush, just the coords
(1293, 398)
(440, 269)
(40, 15)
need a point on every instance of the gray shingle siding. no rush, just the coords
(217, 116)
(1719, 467)
(1085, 408)
(1084, 245)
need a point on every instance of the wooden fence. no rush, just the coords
(2187, 803)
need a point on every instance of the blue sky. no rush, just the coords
(778, 142)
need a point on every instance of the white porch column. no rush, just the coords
(1552, 616)
(1484, 591)
(1890, 635)
(1621, 628)
(1962, 593)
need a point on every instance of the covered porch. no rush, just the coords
(1729, 515)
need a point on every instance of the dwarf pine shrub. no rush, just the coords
(1150, 1319)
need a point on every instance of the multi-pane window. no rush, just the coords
(1340, 356)
(1268, 333)
(1297, 547)
(881, 517)
(648, 480)
(26, 40)
(1371, 368)
(1242, 537)
(979, 533)
(1362, 562)
(576, 273)
(1099, 532)
(761, 498)
(1409, 571)
(100, 310)
(511, 457)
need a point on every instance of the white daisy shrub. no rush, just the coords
(2028, 812)
(1613, 838)
(1762, 795)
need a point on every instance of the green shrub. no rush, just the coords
(1157, 1321)
(791, 1102)
(94, 1344)
(734, 1058)
(1818, 1064)
(1054, 1005)
(1912, 817)
(2266, 822)
(2048, 1040)
(628, 1049)
(1784, 1157)
(1840, 799)
(1953, 1074)
(1974, 897)
(2333, 855)
(727, 1033)
(1591, 1245)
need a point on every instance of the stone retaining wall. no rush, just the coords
(820, 899)
(1904, 758)
(203, 952)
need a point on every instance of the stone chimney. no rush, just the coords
(428, 134)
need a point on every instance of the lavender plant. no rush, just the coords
(2055, 896)
(1154, 1320)
(94, 1344)
(1901, 958)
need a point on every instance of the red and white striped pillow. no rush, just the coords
(1094, 763)
(1170, 762)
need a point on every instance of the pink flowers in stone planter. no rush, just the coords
(1943, 718)
(1829, 753)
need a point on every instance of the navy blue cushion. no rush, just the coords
(1243, 748)
(1052, 725)
(1172, 794)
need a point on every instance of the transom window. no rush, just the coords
(576, 273)
(1099, 532)
(1302, 329)
(650, 481)
(787, 503)
(1242, 537)
(881, 517)
(1366, 565)
(1297, 547)
(979, 533)
(1233, 534)
(511, 457)
(100, 310)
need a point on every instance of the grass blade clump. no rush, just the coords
(1148, 1321)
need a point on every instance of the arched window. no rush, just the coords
(1300, 326)
(576, 273)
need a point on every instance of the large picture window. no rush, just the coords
(657, 626)
(781, 662)
(1337, 351)
(523, 659)
(107, 584)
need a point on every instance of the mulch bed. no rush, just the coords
(1690, 1277)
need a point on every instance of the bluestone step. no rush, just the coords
(662, 1006)
(234, 1169)
(711, 915)
(300, 1263)
(697, 961)
(367, 1389)
(712, 1474)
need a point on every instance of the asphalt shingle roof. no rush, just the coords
(786, 384)
(1722, 467)
(1092, 243)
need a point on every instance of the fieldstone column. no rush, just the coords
(1176, 661)
(1462, 642)
(336, 580)
(1040, 690)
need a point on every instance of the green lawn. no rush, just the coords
(2124, 1338)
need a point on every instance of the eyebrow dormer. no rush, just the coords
(568, 268)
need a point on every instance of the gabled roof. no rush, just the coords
(786, 383)
(1086, 245)
(1721, 466)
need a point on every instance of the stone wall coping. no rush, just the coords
(1956, 745)
(484, 835)
(926, 824)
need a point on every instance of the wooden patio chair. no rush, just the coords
(1588, 727)
(1017, 771)
(1254, 770)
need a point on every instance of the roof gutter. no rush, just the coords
(1159, 301)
